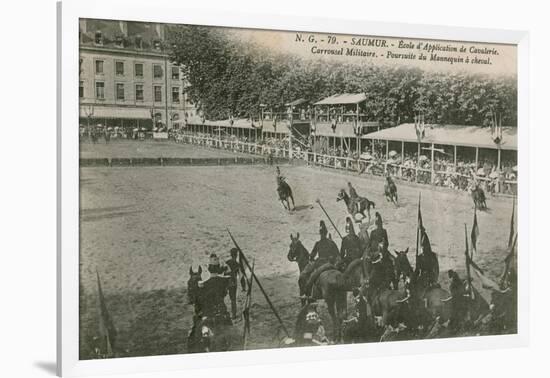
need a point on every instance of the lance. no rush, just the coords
(245, 260)
(331, 222)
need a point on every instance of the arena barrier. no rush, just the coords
(402, 172)
(165, 162)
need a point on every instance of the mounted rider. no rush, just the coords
(377, 236)
(323, 256)
(280, 178)
(427, 269)
(213, 291)
(350, 248)
(354, 197)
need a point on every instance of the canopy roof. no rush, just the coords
(103, 112)
(342, 130)
(299, 101)
(453, 135)
(343, 99)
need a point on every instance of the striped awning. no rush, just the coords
(114, 112)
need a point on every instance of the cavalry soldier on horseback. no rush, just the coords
(427, 266)
(214, 291)
(459, 300)
(324, 252)
(377, 236)
(354, 197)
(351, 246)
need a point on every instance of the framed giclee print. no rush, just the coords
(286, 188)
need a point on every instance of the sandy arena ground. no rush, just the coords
(148, 149)
(142, 228)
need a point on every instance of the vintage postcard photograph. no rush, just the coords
(245, 189)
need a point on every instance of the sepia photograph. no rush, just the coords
(244, 189)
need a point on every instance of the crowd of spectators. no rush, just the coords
(462, 176)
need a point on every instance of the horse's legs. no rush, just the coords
(331, 305)
(293, 204)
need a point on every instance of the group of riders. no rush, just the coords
(384, 277)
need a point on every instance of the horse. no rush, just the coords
(208, 334)
(285, 192)
(390, 190)
(478, 196)
(427, 302)
(403, 268)
(356, 207)
(297, 252)
(385, 302)
(332, 285)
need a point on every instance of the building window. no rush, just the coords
(99, 67)
(120, 91)
(98, 38)
(157, 45)
(176, 94)
(138, 69)
(157, 71)
(175, 73)
(100, 90)
(81, 89)
(80, 62)
(119, 41)
(158, 93)
(119, 68)
(139, 92)
(139, 42)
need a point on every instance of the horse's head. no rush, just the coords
(193, 284)
(402, 264)
(296, 249)
(342, 196)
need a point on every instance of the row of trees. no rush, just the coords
(230, 78)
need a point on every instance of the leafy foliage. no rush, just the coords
(227, 78)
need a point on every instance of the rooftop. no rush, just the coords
(452, 135)
(343, 99)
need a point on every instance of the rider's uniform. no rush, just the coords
(326, 251)
(215, 290)
(377, 236)
(350, 248)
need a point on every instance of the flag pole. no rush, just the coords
(417, 234)
(246, 311)
(245, 260)
(466, 253)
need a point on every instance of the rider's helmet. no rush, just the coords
(323, 228)
(378, 221)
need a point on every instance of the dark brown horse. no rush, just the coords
(332, 286)
(285, 192)
(478, 196)
(297, 252)
(390, 190)
(359, 206)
